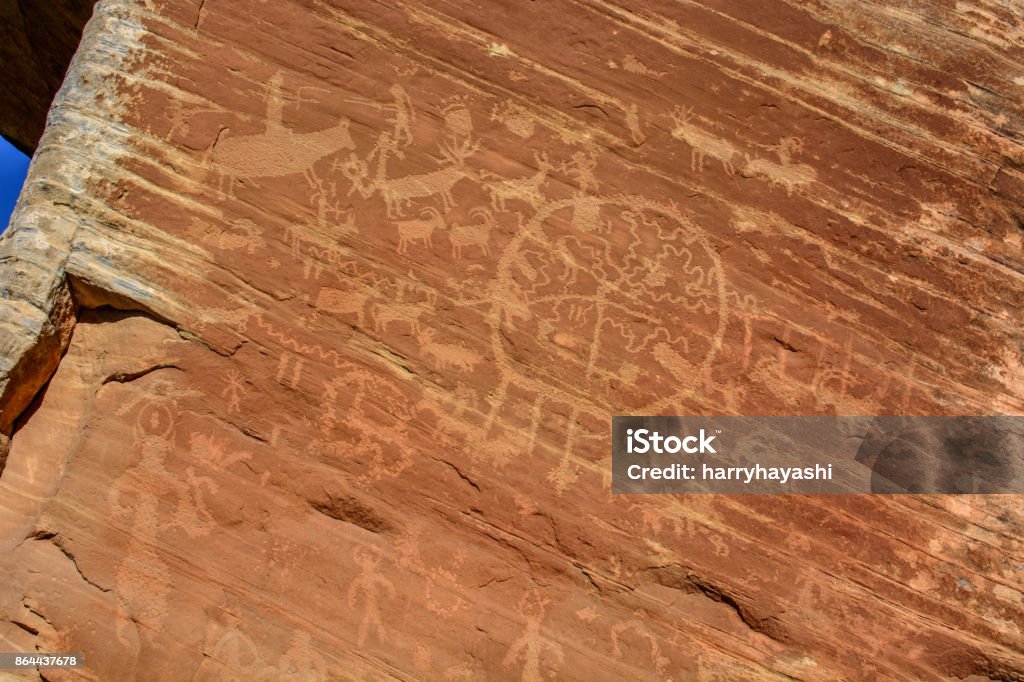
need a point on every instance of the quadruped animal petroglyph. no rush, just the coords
(394, 341)
(398, 193)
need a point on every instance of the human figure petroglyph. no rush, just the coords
(526, 189)
(369, 587)
(531, 647)
(234, 388)
(398, 193)
(568, 471)
(585, 200)
(580, 167)
(476, 234)
(701, 143)
(191, 515)
(277, 151)
(745, 308)
(402, 115)
(143, 586)
(143, 582)
(325, 198)
(419, 230)
(143, 579)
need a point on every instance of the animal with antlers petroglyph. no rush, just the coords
(525, 189)
(701, 144)
(786, 174)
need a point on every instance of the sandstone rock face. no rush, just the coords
(37, 40)
(316, 313)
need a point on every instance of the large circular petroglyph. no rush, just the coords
(621, 294)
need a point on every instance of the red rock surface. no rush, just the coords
(347, 294)
(37, 40)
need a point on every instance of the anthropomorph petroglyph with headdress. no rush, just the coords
(531, 647)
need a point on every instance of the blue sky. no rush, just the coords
(13, 166)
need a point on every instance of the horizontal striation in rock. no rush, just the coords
(359, 287)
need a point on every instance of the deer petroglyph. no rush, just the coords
(525, 189)
(786, 174)
(701, 144)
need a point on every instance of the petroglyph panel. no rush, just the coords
(349, 293)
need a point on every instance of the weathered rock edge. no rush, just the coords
(37, 40)
(41, 284)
